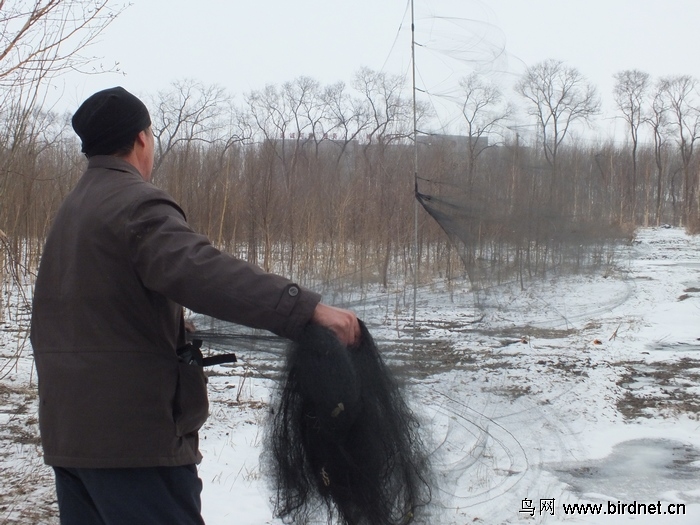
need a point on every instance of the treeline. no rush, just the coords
(317, 182)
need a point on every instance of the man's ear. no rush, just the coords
(141, 139)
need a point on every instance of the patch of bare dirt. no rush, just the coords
(659, 389)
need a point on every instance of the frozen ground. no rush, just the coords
(580, 389)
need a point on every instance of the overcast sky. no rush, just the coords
(243, 46)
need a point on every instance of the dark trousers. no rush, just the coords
(129, 496)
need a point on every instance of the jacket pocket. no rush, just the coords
(191, 402)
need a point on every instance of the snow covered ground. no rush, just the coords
(580, 390)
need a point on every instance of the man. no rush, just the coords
(118, 412)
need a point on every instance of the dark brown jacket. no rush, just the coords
(118, 265)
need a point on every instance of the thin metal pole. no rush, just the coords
(415, 174)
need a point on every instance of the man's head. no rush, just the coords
(114, 122)
(108, 122)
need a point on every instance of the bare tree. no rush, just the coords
(271, 118)
(45, 38)
(657, 120)
(680, 95)
(389, 112)
(483, 113)
(630, 91)
(558, 97)
(303, 98)
(348, 119)
(39, 40)
(186, 114)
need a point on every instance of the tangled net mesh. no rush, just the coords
(342, 444)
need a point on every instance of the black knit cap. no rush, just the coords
(109, 121)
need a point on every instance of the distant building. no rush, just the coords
(458, 144)
(307, 146)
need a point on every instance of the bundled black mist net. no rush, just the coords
(342, 443)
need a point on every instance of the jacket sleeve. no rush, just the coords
(182, 265)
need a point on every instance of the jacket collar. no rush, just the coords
(111, 162)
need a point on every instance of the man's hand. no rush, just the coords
(343, 323)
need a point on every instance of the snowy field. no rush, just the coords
(581, 390)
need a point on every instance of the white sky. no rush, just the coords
(243, 46)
